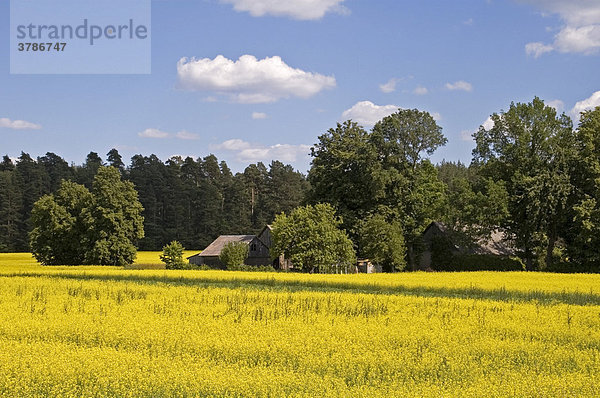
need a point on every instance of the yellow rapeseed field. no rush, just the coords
(107, 331)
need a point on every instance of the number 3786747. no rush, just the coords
(39, 47)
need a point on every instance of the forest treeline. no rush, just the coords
(189, 200)
(534, 176)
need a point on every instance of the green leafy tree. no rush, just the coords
(405, 136)
(76, 226)
(530, 148)
(234, 254)
(583, 236)
(172, 256)
(475, 208)
(60, 226)
(383, 242)
(115, 220)
(386, 170)
(413, 190)
(311, 239)
(346, 173)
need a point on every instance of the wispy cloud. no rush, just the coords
(18, 124)
(259, 115)
(420, 90)
(156, 133)
(153, 133)
(390, 85)
(460, 85)
(185, 135)
(556, 104)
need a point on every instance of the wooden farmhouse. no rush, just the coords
(258, 251)
(437, 234)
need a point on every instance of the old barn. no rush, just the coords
(258, 251)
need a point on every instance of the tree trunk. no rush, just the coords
(411, 256)
(550, 250)
(528, 259)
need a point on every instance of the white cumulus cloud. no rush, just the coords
(247, 152)
(18, 124)
(296, 9)
(537, 49)
(460, 85)
(580, 32)
(249, 80)
(259, 115)
(156, 133)
(467, 135)
(585, 105)
(367, 113)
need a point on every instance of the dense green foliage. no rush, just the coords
(60, 224)
(172, 256)
(234, 254)
(382, 242)
(76, 226)
(310, 237)
(533, 178)
(381, 172)
(189, 200)
(530, 149)
(583, 228)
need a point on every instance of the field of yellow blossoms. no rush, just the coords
(102, 331)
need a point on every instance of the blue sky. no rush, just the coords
(256, 80)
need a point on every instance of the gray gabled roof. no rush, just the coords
(496, 244)
(214, 249)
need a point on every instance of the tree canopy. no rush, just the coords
(362, 173)
(76, 226)
(311, 239)
(191, 200)
(530, 149)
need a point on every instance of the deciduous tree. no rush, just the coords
(530, 148)
(382, 242)
(311, 239)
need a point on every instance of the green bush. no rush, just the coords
(172, 256)
(252, 268)
(567, 267)
(234, 254)
(479, 262)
